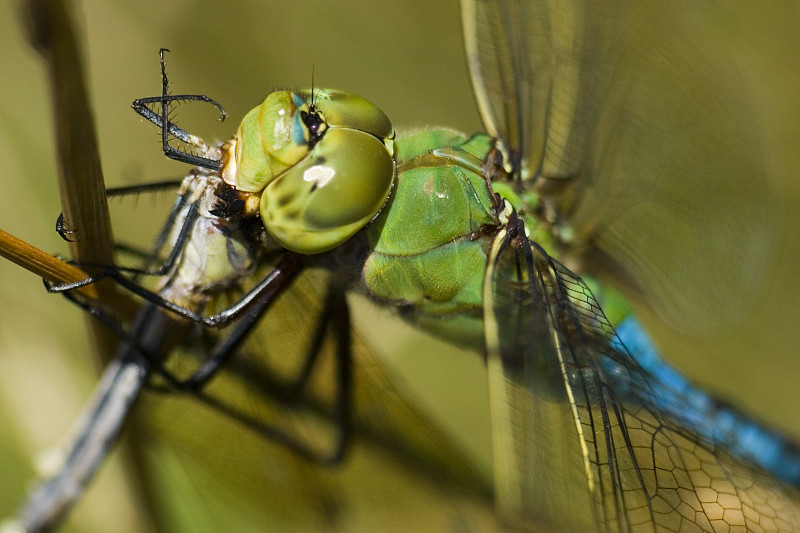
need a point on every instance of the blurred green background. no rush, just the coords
(406, 58)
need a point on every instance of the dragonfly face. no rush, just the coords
(321, 163)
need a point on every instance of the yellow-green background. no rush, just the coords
(408, 60)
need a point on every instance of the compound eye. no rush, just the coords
(324, 200)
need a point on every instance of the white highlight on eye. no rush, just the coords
(320, 174)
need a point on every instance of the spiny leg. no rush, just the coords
(334, 319)
(169, 128)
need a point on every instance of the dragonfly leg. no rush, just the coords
(61, 226)
(169, 128)
(334, 307)
(115, 272)
(166, 266)
(131, 338)
(340, 321)
(334, 320)
(155, 186)
(219, 319)
(101, 315)
(62, 229)
(187, 225)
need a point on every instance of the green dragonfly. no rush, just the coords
(609, 471)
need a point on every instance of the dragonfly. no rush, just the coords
(547, 342)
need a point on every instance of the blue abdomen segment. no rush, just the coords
(714, 420)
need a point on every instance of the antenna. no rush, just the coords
(312, 86)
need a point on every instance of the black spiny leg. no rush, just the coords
(169, 128)
(334, 319)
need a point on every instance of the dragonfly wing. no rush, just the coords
(396, 455)
(530, 78)
(539, 463)
(581, 442)
(625, 118)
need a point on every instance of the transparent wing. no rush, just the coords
(389, 439)
(649, 130)
(581, 442)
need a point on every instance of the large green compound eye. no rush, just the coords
(329, 196)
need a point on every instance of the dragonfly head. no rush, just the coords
(322, 162)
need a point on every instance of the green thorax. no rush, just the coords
(429, 244)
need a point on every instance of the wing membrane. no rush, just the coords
(581, 442)
(390, 439)
(645, 129)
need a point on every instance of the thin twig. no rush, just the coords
(44, 265)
